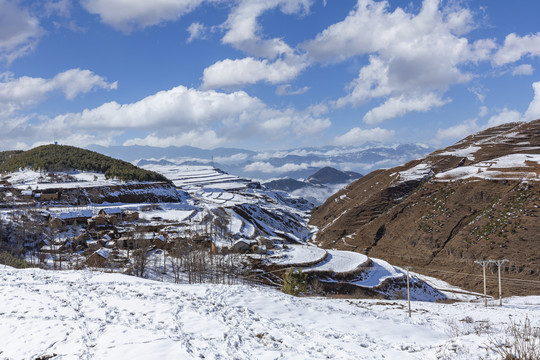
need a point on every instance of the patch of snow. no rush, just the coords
(496, 169)
(377, 273)
(340, 262)
(418, 172)
(467, 152)
(298, 255)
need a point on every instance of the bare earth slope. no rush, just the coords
(475, 200)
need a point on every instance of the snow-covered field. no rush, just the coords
(199, 177)
(94, 315)
(340, 262)
(29, 178)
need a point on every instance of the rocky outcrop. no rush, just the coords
(475, 200)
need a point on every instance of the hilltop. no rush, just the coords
(478, 199)
(63, 158)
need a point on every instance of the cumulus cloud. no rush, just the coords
(523, 69)
(418, 53)
(179, 116)
(503, 117)
(17, 93)
(60, 7)
(458, 131)
(19, 31)
(196, 31)
(285, 90)
(401, 105)
(533, 111)
(268, 168)
(234, 73)
(128, 15)
(358, 136)
(205, 140)
(515, 47)
(271, 60)
(243, 30)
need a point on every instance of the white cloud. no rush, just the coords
(271, 60)
(358, 136)
(60, 7)
(503, 117)
(233, 159)
(178, 107)
(533, 111)
(458, 131)
(371, 27)
(285, 90)
(401, 105)
(479, 92)
(17, 93)
(196, 31)
(234, 73)
(205, 140)
(174, 117)
(243, 30)
(419, 53)
(19, 31)
(127, 15)
(523, 69)
(515, 47)
(266, 167)
(482, 111)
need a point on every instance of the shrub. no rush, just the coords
(522, 342)
(294, 282)
(8, 259)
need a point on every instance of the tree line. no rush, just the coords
(58, 158)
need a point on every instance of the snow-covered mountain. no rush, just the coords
(294, 163)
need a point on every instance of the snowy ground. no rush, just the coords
(29, 178)
(298, 255)
(93, 315)
(340, 262)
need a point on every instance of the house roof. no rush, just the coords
(74, 214)
(104, 253)
(112, 211)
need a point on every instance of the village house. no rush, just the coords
(113, 215)
(99, 258)
(92, 244)
(49, 196)
(63, 218)
(27, 194)
(241, 246)
(130, 215)
(160, 241)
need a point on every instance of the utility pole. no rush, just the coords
(408, 291)
(499, 264)
(484, 263)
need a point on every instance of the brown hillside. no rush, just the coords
(475, 200)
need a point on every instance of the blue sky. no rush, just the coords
(270, 74)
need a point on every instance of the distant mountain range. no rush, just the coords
(317, 187)
(296, 164)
